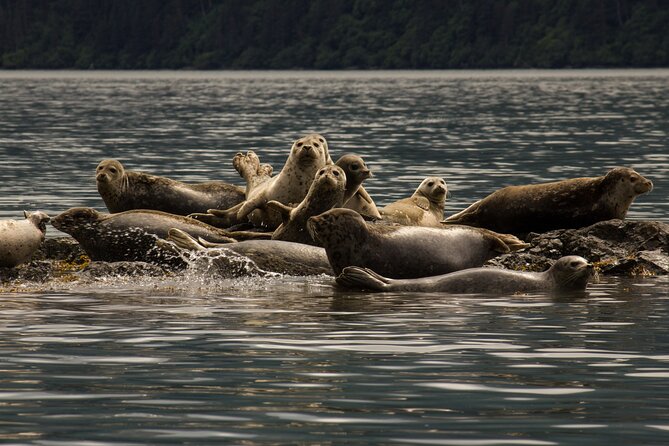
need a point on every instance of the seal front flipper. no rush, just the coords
(421, 202)
(250, 205)
(356, 277)
(184, 240)
(281, 209)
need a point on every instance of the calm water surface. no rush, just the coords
(190, 359)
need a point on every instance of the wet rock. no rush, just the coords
(96, 270)
(60, 248)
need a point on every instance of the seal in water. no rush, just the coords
(124, 190)
(326, 192)
(356, 196)
(19, 239)
(253, 257)
(572, 203)
(424, 208)
(568, 274)
(129, 235)
(404, 252)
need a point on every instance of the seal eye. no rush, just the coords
(430, 184)
(574, 264)
(633, 179)
(335, 173)
(299, 144)
(321, 140)
(354, 166)
(112, 170)
(321, 172)
(316, 144)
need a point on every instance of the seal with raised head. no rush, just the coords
(124, 190)
(129, 235)
(326, 192)
(572, 203)
(290, 186)
(19, 239)
(567, 274)
(356, 196)
(404, 252)
(424, 208)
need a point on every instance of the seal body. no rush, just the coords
(356, 197)
(124, 190)
(130, 235)
(572, 203)
(424, 208)
(19, 239)
(402, 251)
(568, 274)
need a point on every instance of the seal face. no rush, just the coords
(356, 196)
(424, 208)
(568, 274)
(572, 203)
(19, 239)
(403, 251)
(124, 190)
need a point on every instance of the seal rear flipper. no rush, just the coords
(213, 220)
(512, 242)
(281, 209)
(356, 277)
(464, 217)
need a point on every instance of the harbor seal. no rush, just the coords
(404, 252)
(424, 208)
(568, 274)
(19, 239)
(290, 186)
(356, 196)
(124, 190)
(567, 204)
(326, 191)
(128, 235)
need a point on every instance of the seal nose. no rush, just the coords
(101, 177)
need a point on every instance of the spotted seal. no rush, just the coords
(19, 239)
(404, 252)
(566, 204)
(424, 208)
(124, 190)
(567, 274)
(356, 196)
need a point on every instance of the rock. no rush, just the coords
(96, 270)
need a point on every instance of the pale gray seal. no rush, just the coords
(568, 274)
(424, 208)
(404, 252)
(356, 196)
(124, 190)
(19, 239)
(572, 203)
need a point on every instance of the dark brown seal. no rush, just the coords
(19, 239)
(404, 251)
(424, 208)
(572, 203)
(568, 274)
(124, 190)
(356, 196)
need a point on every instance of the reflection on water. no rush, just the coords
(189, 359)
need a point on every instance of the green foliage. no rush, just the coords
(331, 34)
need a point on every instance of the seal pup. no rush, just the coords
(252, 257)
(404, 252)
(19, 239)
(567, 274)
(128, 235)
(307, 155)
(326, 191)
(356, 196)
(124, 190)
(424, 208)
(567, 204)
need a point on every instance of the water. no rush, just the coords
(187, 359)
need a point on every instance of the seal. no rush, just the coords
(19, 239)
(251, 257)
(124, 190)
(567, 274)
(326, 191)
(129, 235)
(404, 252)
(424, 208)
(567, 204)
(307, 155)
(356, 196)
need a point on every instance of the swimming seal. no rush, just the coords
(424, 208)
(568, 274)
(572, 203)
(19, 239)
(356, 196)
(404, 252)
(124, 190)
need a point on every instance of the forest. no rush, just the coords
(332, 34)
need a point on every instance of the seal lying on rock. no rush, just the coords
(569, 273)
(424, 208)
(253, 257)
(356, 196)
(572, 203)
(19, 239)
(404, 252)
(124, 190)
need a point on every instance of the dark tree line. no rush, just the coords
(330, 34)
